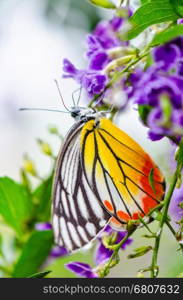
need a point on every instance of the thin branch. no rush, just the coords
(163, 220)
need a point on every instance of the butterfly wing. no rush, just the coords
(121, 174)
(77, 214)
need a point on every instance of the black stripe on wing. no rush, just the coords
(77, 214)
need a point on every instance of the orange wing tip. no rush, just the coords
(156, 188)
(123, 216)
(126, 217)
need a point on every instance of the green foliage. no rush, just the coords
(179, 155)
(167, 35)
(103, 3)
(42, 199)
(34, 253)
(178, 6)
(140, 252)
(15, 204)
(143, 111)
(40, 274)
(153, 12)
(144, 1)
(151, 180)
(166, 107)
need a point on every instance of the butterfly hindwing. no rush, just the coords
(77, 214)
(121, 174)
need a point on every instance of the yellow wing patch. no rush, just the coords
(118, 171)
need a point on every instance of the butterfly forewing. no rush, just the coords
(77, 213)
(119, 171)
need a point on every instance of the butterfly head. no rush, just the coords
(83, 113)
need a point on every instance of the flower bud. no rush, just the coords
(53, 130)
(45, 147)
(29, 166)
(140, 275)
(140, 252)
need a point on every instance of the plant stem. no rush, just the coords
(118, 75)
(114, 255)
(163, 220)
(121, 2)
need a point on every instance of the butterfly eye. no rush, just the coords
(75, 113)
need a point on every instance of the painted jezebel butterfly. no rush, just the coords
(102, 176)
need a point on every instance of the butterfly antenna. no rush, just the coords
(73, 98)
(56, 82)
(111, 109)
(43, 109)
(80, 90)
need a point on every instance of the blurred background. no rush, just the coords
(35, 36)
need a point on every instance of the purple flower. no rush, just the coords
(93, 82)
(81, 269)
(70, 71)
(180, 67)
(155, 87)
(170, 53)
(98, 61)
(43, 226)
(103, 39)
(101, 256)
(155, 84)
(58, 251)
(175, 211)
(102, 253)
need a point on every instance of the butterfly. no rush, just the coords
(102, 176)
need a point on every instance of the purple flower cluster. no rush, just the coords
(160, 88)
(176, 206)
(102, 255)
(99, 46)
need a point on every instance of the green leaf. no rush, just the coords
(39, 275)
(103, 3)
(151, 180)
(15, 204)
(166, 107)
(144, 1)
(167, 35)
(178, 6)
(181, 205)
(140, 252)
(34, 253)
(154, 12)
(42, 197)
(144, 111)
(1, 246)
